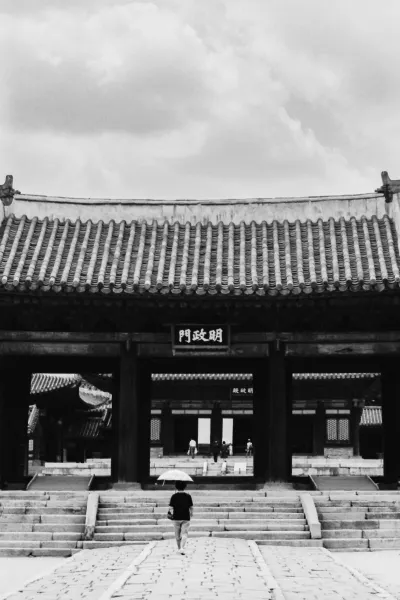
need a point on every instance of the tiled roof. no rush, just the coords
(371, 415)
(249, 376)
(53, 255)
(318, 376)
(93, 396)
(201, 376)
(48, 382)
(87, 427)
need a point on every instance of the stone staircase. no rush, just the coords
(41, 524)
(359, 522)
(275, 519)
(50, 483)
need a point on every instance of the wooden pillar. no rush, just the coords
(127, 418)
(261, 422)
(14, 402)
(391, 423)
(356, 412)
(279, 411)
(144, 394)
(216, 423)
(167, 429)
(319, 430)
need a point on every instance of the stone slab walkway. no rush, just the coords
(316, 574)
(84, 576)
(212, 568)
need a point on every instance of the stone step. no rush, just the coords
(94, 544)
(225, 526)
(350, 524)
(384, 543)
(53, 552)
(43, 503)
(257, 506)
(383, 515)
(10, 518)
(388, 524)
(19, 543)
(16, 527)
(59, 528)
(59, 544)
(45, 510)
(345, 543)
(263, 535)
(342, 516)
(381, 533)
(25, 535)
(344, 533)
(73, 519)
(112, 516)
(231, 524)
(340, 509)
(298, 543)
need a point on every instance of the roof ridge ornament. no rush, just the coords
(389, 187)
(7, 191)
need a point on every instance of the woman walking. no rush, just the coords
(181, 504)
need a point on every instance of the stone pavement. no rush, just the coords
(84, 576)
(316, 574)
(212, 568)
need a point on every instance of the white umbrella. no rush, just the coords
(174, 475)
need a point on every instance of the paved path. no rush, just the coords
(212, 568)
(84, 576)
(381, 567)
(316, 574)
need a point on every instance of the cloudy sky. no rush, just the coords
(199, 98)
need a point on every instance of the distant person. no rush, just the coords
(181, 504)
(249, 448)
(192, 448)
(224, 451)
(216, 450)
(230, 449)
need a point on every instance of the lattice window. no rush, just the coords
(155, 430)
(338, 430)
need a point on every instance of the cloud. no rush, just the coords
(182, 98)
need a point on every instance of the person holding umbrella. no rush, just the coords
(181, 507)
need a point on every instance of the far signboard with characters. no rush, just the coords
(200, 337)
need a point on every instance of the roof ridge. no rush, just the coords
(193, 201)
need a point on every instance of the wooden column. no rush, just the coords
(144, 394)
(319, 430)
(261, 421)
(391, 422)
(356, 412)
(279, 411)
(127, 418)
(167, 429)
(14, 402)
(216, 423)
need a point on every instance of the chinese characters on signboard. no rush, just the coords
(242, 391)
(201, 336)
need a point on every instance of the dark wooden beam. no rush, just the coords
(342, 349)
(144, 337)
(58, 348)
(339, 336)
